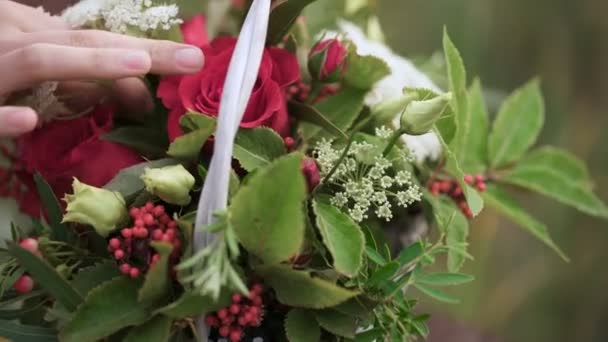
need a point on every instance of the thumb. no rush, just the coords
(16, 120)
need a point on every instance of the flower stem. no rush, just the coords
(314, 92)
(392, 141)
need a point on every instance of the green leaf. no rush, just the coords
(193, 121)
(555, 183)
(151, 142)
(410, 254)
(158, 329)
(88, 278)
(374, 256)
(301, 326)
(383, 274)
(16, 332)
(363, 72)
(157, 283)
(472, 148)
(549, 159)
(257, 147)
(518, 124)
(445, 279)
(458, 86)
(45, 275)
(301, 289)
(59, 231)
(436, 294)
(342, 237)
(128, 181)
(107, 309)
(341, 109)
(193, 304)
(455, 225)
(337, 323)
(283, 17)
(273, 233)
(310, 114)
(503, 203)
(188, 146)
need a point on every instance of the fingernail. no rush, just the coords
(15, 121)
(189, 58)
(136, 60)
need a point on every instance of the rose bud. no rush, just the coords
(172, 184)
(327, 61)
(420, 116)
(311, 173)
(102, 209)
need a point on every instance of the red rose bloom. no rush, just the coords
(63, 150)
(201, 92)
(328, 60)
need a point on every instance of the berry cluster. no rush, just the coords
(310, 169)
(132, 249)
(243, 313)
(301, 92)
(25, 283)
(453, 189)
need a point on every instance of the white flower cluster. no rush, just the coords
(367, 180)
(120, 15)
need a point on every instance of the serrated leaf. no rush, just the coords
(549, 159)
(272, 233)
(363, 72)
(16, 332)
(46, 277)
(458, 86)
(517, 125)
(257, 147)
(283, 17)
(157, 283)
(342, 237)
(90, 277)
(555, 183)
(150, 142)
(341, 109)
(158, 329)
(193, 304)
(473, 147)
(300, 289)
(301, 326)
(107, 309)
(59, 231)
(128, 181)
(445, 279)
(503, 203)
(436, 294)
(307, 113)
(337, 323)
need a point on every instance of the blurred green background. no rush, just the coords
(524, 292)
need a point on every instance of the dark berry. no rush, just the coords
(224, 331)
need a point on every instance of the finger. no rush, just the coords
(41, 62)
(17, 120)
(28, 18)
(167, 57)
(133, 95)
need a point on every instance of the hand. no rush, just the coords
(36, 47)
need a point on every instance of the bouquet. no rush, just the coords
(306, 185)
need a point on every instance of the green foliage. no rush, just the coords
(107, 309)
(310, 114)
(272, 232)
(158, 282)
(503, 203)
(456, 229)
(59, 231)
(303, 290)
(151, 142)
(188, 146)
(436, 294)
(445, 279)
(193, 304)
(342, 237)
(337, 323)
(14, 331)
(302, 326)
(90, 277)
(472, 154)
(158, 329)
(257, 147)
(48, 278)
(458, 86)
(518, 124)
(363, 72)
(283, 17)
(128, 181)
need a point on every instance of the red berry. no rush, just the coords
(134, 212)
(119, 254)
(289, 142)
(243, 321)
(157, 234)
(139, 223)
(134, 272)
(235, 335)
(224, 331)
(445, 186)
(457, 192)
(149, 219)
(171, 225)
(149, 206)
(257, 288)
(165, 219)
(469, 179)
(126, 233)
(158, 211)
(249, 316)
(24, 284)
(222, 313)
(311, 172)
(29, 244)
(211, 321)
(257, 301)
(236, 298)
(142, 233)
(170, 233)
(481, 186)
(176, 244)
(155, 258)
(479, 178)
(114, 243)
(125, 269)
(235, 309)
(255, 310)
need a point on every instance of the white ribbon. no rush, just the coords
(240, 80)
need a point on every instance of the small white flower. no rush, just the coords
(384, 132)
(403, 177)
(339, 200)
(386, 182)
(385, 212)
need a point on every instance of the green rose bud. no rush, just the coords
(102, 209)
(172, 184)
(420, 116)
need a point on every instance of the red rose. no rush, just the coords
(66, 149)
(201, 92)
(327, 60)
